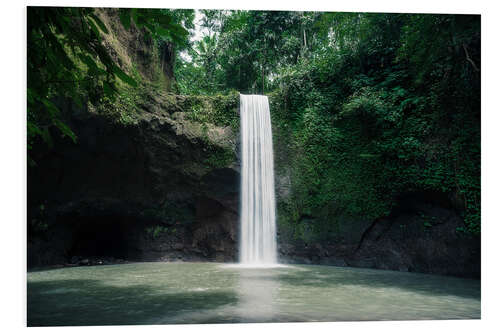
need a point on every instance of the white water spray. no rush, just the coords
(258, 217)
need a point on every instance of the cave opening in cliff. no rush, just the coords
(102, 237)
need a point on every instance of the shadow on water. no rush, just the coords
(204, 293)
(90, 302)
(425, 284)
(257, 292)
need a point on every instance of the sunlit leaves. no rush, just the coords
(98, 21)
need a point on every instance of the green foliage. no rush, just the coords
(171, 213)
(67, 59)
(38, 220)
(159, 230)
(160, 23)
(220, 110)
(220, 158)
(244, 49)
(370, 119)
(125, 106)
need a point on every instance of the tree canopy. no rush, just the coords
(377, 104)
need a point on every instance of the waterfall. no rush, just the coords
(258, 217)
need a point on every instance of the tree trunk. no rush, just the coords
(262, 79)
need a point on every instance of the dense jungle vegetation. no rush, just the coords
(368, 106)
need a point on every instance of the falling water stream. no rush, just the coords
(258, 217)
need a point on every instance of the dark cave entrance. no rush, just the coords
(106, 236)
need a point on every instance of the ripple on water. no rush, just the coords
(162, 293)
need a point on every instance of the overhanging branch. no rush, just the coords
(469, 58)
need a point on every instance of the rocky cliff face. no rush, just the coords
(420, 235)
(158, 186)
(135, 51)
(153, 176)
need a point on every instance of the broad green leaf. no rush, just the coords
(47, 137)
(134, 14)
(109, 90)
(29, 95)
(124, 77)
(33, 129)
(163, 32)
(125, 17)
(65, 129)
(178, 29)
(368, 155)
(94, 28)
(98, 21)
(87, 60)
(53, 110)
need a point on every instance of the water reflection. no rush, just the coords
(257, 291)
(167, 293)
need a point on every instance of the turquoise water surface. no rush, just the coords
(174, 293)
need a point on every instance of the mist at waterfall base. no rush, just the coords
(258, 212)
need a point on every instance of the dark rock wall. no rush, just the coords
(420, 235)
(143, 181)
(139, 191)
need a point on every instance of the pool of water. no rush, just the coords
(175, 293)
